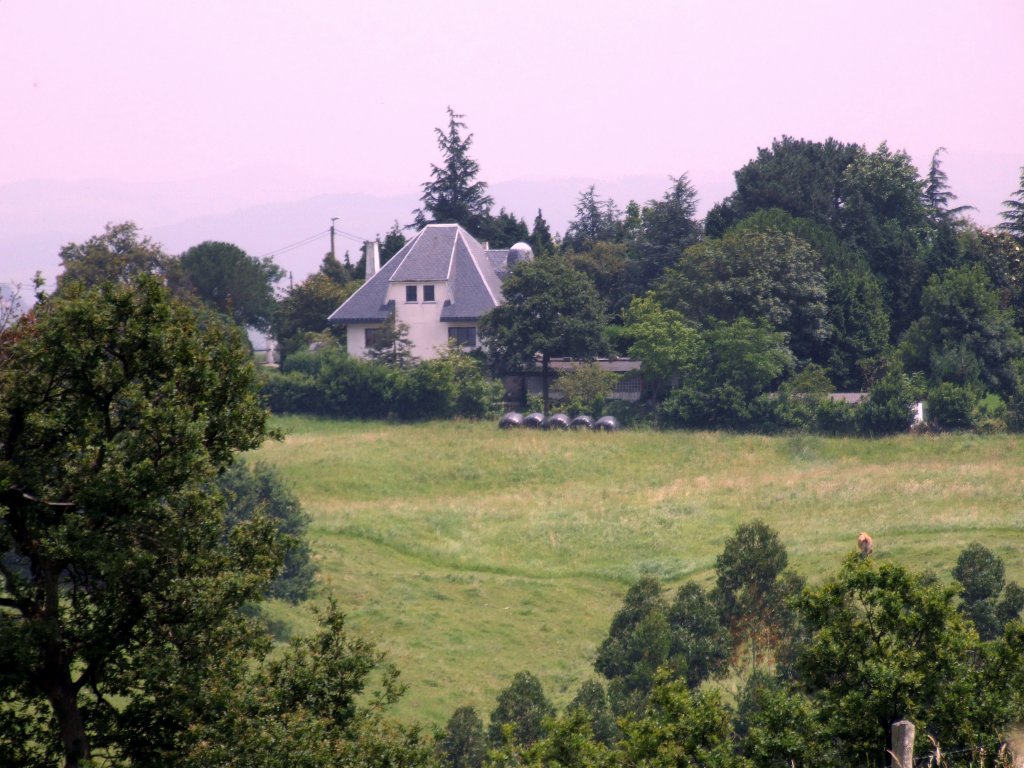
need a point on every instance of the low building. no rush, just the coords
(438, 285)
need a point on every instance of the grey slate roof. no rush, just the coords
(437, 253)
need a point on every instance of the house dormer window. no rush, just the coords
(410, 294)
(428, 293)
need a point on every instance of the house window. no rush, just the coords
(428, 293)
(410, 294)
(372, 337)
(466, 337)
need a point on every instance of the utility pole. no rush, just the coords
(333, 219)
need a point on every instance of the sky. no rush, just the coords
(255, 102)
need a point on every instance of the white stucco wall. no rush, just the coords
(426, 331)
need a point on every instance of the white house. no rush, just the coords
(440, 284)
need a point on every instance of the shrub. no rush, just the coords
(951, 406)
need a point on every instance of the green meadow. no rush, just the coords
(470, 553)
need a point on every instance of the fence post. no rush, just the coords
(903, 744)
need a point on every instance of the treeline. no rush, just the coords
(824, 671)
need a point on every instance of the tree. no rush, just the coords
(982, 577)
(767, 277)
(394, 241)
(937, 194)
(230, 281)
(550, 310)
(596, 220)
(591, 699)
(1013, 216)
(883, 644)
(118, 255)
(777, 725)
(668, 347)
(889, 408)
(454, 195)
(667, 228)
(752, 587)
(302, 312)
(540, 238)
(463, 744)
(118, 408)
(586, 386)
(252, 492)
(963, 335)
(701, 647)
(522, 708)
(503, 230)
(392, 347)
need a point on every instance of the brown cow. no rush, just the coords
(865, 544)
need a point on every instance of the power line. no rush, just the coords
(298, 244)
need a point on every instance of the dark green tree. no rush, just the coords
(257, 491)
(777, 725)
(503, 230)
(889, 408)
(596, 220)
(230, 281)
(118, 255)
(937, 193)
(522, 707)
(463, 743)
(639, 642)
(301, 314)
(982, 577)
(767, 277)
(394, 241)
(883, 644)
(1013, 215)
(550, 310)
(118, 408)
(700, 647)
(453, 195)
(540, 238)
(591, 699)
(667, 228)
(752, 587)
(963, 335)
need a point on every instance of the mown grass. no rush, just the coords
(470, 553)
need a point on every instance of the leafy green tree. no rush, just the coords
(550, 310)
(798, 176)
(230, 281)
(951, 406)
(982, 577)
(700, 647)
(463, 743)
(523, 708)
(964, 335)
(301, 314)
(883, 217)
(452, 384)
(253, 491)
(668, 347)
(118, 255)
(323, 701)
(586, 387)
(118, 407)
(681, 727)
(540, 237)
(591, 699)
(1013, 215)
(884, 644)
(859, 321)
(453, 195)
(607, 265)
(777, 726)
(752, 587)
(639, 642)
(889, 408)
(741, 361)
(766, 277)
(667, 227)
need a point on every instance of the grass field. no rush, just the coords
(470, 553)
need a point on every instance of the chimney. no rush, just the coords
(371, 256)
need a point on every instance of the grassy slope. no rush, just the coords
(471, 553)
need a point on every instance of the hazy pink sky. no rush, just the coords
(350, 91)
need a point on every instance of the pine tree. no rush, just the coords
(540, 239)
(394, 241)
(937, 194)
(1013, 216)
(454, 195)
